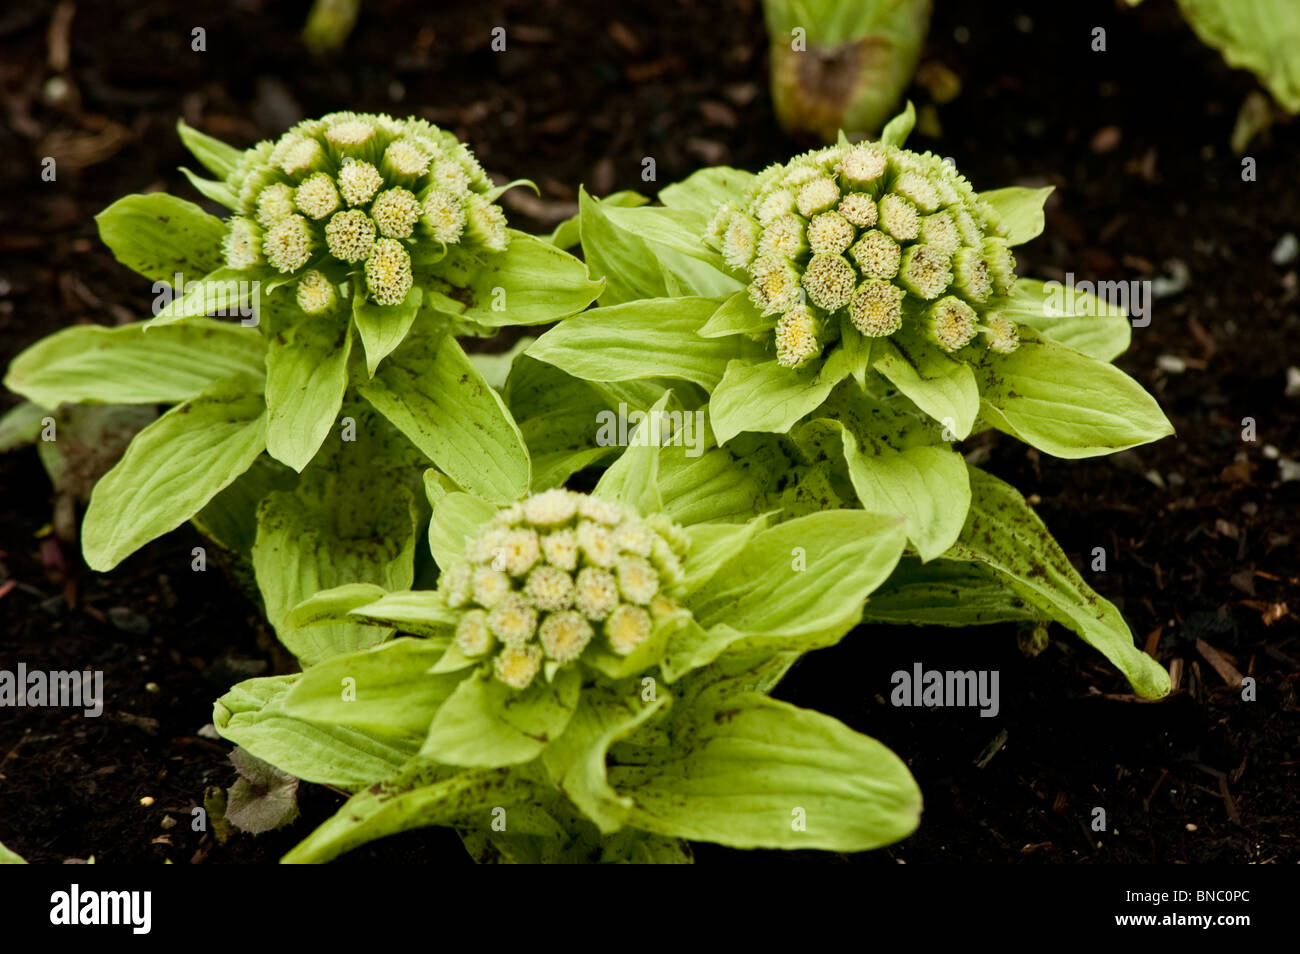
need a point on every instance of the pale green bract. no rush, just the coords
(589, 683)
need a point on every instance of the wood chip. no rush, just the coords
(1226, 670)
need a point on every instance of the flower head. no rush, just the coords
(345, 184)
(874, 235)
(545, 579)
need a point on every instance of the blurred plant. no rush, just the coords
(329, 23)
(842, 64)
(1256, 35)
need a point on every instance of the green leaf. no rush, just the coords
(927, 486)
(334, 604)
(942, 387)
(422, 612)
(10, 857)
(457, 519)
(798, 585)
(576, 760)
(173, 468)
(737, 316)
(226, 291)
(1020, 211)
(126, 365)
(21, 425)
(752, 772)
(251, 715)
(633, 479)
(308, 541)
(218, 192)
(416, 796)
(899, 128)
(159, 235)
(383, 327)
(712, 545)
(486, 723)
(764, 396)
(1004, 533)
(230, 518)
(385, 691)
(650, 253)
(216, 156)
(531, 283)
(496, 366)
(702, 192)
(639, 339)
(432, 393)
(706, 488)
(946, 593)
(1081, 322)
(1067, 404)
(558, 416)
(1257, 35)
(566, 235)
(306, 377)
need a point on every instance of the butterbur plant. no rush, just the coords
(859, 309)
(357, 247)
(589, 682)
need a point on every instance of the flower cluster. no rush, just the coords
(879, 233)
(558, 573)
(348, 198)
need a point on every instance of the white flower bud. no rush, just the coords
(549, 588)
(627, 628)
(595, 593)
(513, 620)
(924, 271)
(350, 236)
(565, 635)
(388, 272)
(316, 196)
(359, 181)
(288, 244)
(242, 245)
(876, 254)
(877, 308)
(517, 666)
(829, 280)
(274, 203)
(830, 233)
(952, 323)
(473, 637)
(316, 294)
(395, 212)
(859, 209)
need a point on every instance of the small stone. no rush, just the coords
(1286, 249)
(147, 801)
(1293, 382)
(1171, 364)
(168, 822)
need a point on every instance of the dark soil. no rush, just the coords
(1199, 529)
